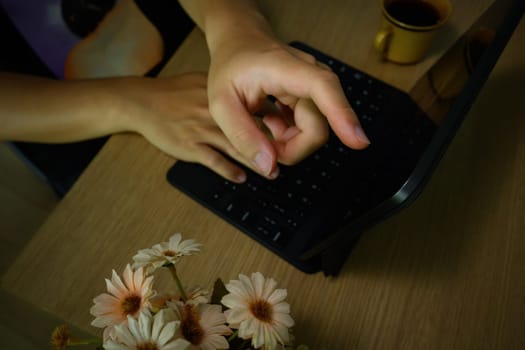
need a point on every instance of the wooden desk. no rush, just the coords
(447, 272)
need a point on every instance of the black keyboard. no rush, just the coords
(309, 201)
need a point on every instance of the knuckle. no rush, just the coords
(217, 104)
(213, 160)
(242, 138)
(308, 57)
(317, 142)
(328, 77)
(303, 55)
(320, 137)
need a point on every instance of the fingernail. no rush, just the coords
(361, 135)
(241, 177)
(274, 173)
(263, 162)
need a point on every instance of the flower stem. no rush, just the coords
(85, 341)
(233, 336)
(173, 271)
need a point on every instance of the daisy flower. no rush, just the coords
(203, 325)
(60, 338)
(124, 299)
(257, 309)
(195, 295)
(160, 301)
(147, 333)
(165, 253)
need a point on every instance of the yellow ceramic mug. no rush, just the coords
(408, 27)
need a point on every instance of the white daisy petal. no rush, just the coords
(284, 319)
(104, 303)
(167, 332)
(135, 332)
(222, 329)
(109, 333)
(277, 296)
(117, 281)
(102, 321)
(246, 328)
(115, 289)
(134, 328)
(124, 334)
(158, 323)
(138, 277)
(111, 345)
(219, 342)
(283, 308)
(237, 315)
(175, 240)
(146, 325)
(258, 283)
(233, 301)
(212, 314)
(188, 247)
(258, 338)
(128, 277)
(269, 287)
(247, 284)
(179, 344)
(283, 333)
(157, 248)
(236, 288)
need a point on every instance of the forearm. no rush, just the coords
(45, 110)
(226, 20)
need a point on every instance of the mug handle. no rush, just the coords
(381, 40)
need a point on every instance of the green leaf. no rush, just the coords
(219, 290)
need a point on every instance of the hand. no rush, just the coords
(245, 70)
(172, 113)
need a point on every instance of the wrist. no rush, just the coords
(122, 97)
(114, 99)
(239, 25)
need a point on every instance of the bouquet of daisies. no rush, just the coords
(248, 313)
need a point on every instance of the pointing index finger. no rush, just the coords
(327, 93)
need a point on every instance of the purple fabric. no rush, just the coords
(41, 24)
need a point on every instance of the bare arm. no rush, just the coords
(205, 11)
(171, 113)
(46, 110)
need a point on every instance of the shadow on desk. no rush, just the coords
(471, 175)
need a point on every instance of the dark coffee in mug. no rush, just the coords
(413, 12)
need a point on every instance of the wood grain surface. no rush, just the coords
(445, 273)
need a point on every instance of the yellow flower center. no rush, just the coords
(147, 346)
(60, 337)
(190, 327)
(169, 253)
(261, 310)
(131, 304)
